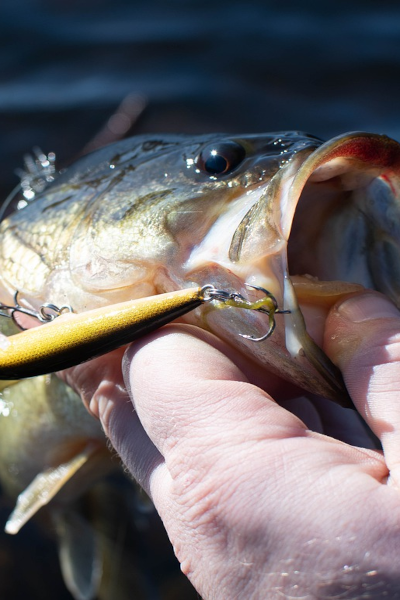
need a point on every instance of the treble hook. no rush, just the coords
(47, 312)
(267, 305)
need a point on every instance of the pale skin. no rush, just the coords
(259, 502)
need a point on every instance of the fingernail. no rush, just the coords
(366, 307)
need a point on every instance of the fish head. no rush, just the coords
(115, 220)
(322, 223)
(153, 214)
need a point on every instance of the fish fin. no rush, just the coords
(43, 488)
(80, 555)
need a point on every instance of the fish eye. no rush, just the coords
(222, 158)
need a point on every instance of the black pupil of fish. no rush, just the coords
(216, 164)
(217, 160)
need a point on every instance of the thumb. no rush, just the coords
(362, 337)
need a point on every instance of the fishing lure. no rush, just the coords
(76, 338)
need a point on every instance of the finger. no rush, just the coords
(100, 384)
(362, 337)
(184, 389)
(97, 380)
(305, 410)
(219, 434)
(132, 443)
(344, 424)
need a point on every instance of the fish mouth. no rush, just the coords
(340, 216)
(335, 220)
(336, 223)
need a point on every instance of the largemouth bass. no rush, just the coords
(306, 220)
(151, 215)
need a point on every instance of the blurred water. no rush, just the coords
(216, 65)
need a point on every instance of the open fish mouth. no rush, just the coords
(342, 213)
(341, 220)
(325, 226)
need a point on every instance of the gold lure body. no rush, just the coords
(74, 338)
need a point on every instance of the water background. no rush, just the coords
(222, 65)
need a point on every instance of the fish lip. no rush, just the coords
(374, 150)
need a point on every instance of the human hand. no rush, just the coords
(257, 502)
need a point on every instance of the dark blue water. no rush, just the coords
(223, 65)
(66, 65)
